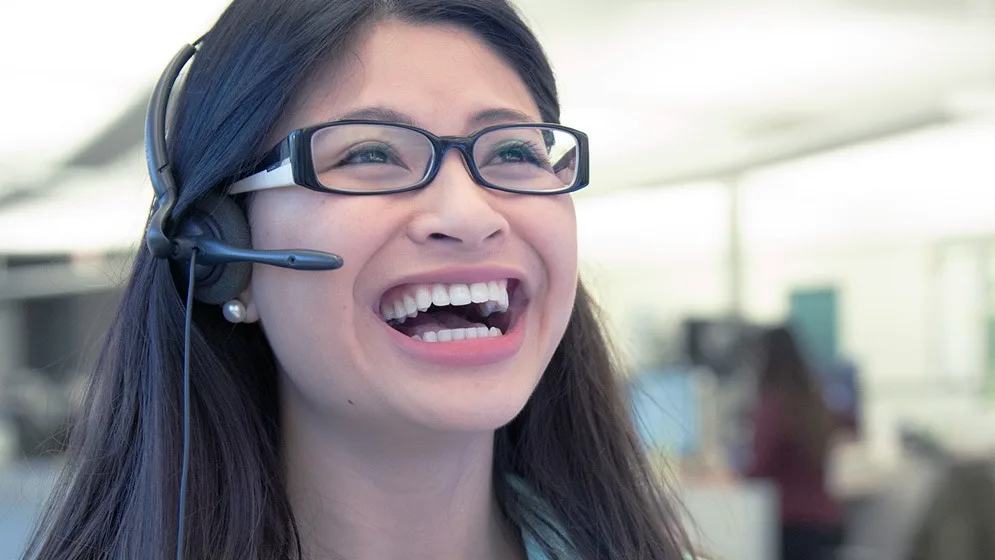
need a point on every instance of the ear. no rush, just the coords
(251, 310)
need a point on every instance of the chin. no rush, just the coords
(467, 407)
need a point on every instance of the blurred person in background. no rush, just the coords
(338, 414)
(794, 431)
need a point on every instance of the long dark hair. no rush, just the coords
(786, 373)
(573, 444)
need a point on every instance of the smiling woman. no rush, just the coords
(447, 392)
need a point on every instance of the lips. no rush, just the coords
(468, 352)
(476, 321)
(437, 312)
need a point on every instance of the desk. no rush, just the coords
(23, 491)
(733, 520)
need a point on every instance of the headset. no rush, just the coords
(216, 229)
(213, 241)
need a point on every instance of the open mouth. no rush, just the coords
(447, 312)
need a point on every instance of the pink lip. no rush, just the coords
(472, 352)
(464, 353)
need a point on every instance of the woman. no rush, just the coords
(352, 413)
(792, 437)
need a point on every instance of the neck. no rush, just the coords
(374, 493)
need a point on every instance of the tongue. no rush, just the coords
(435, 321)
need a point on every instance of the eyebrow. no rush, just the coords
(376, 114)
(500, 116)
(481, 119)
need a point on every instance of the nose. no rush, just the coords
(456, 211)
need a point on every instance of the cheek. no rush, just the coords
(338, 224)
(562, 235)
(309, 321)
(555, 227)
(305, 314)
(299, 218)
(300, 312)
(549, 227)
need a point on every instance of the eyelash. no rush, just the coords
(357, 151)
(538, 154)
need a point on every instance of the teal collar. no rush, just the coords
(560, 542)
(545, 517)
(532, 549)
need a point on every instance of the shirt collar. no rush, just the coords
(532, 549)
(544, 520)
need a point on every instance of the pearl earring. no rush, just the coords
(234, 311)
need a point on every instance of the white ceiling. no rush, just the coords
(669, 91)
(70, 68)
(94, 212)
(935, 183)
(693, 83)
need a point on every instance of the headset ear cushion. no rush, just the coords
(219, 217)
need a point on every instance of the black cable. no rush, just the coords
(187, 320)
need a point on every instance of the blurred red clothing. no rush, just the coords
(800, 480)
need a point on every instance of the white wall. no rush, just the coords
(883, 294)
(877, 221)
(655, 256)
(897, 227)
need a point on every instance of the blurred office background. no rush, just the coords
(824, 163)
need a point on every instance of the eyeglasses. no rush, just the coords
(360, 157)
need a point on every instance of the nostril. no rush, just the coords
(436, 236)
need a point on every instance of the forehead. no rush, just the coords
(439, 76)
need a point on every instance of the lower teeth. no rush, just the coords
(448, 335)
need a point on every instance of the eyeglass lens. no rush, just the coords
(380, 157)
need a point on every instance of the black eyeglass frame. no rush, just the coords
(297, 148)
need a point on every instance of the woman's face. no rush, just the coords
(337, 353)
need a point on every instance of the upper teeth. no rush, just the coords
(409, 301)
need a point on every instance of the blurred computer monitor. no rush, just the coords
(724, 346)
(667, 410)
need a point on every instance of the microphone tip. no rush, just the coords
(312, 260)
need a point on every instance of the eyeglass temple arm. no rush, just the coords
(279, 176)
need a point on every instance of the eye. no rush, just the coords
(371, 153)
(520, 151)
